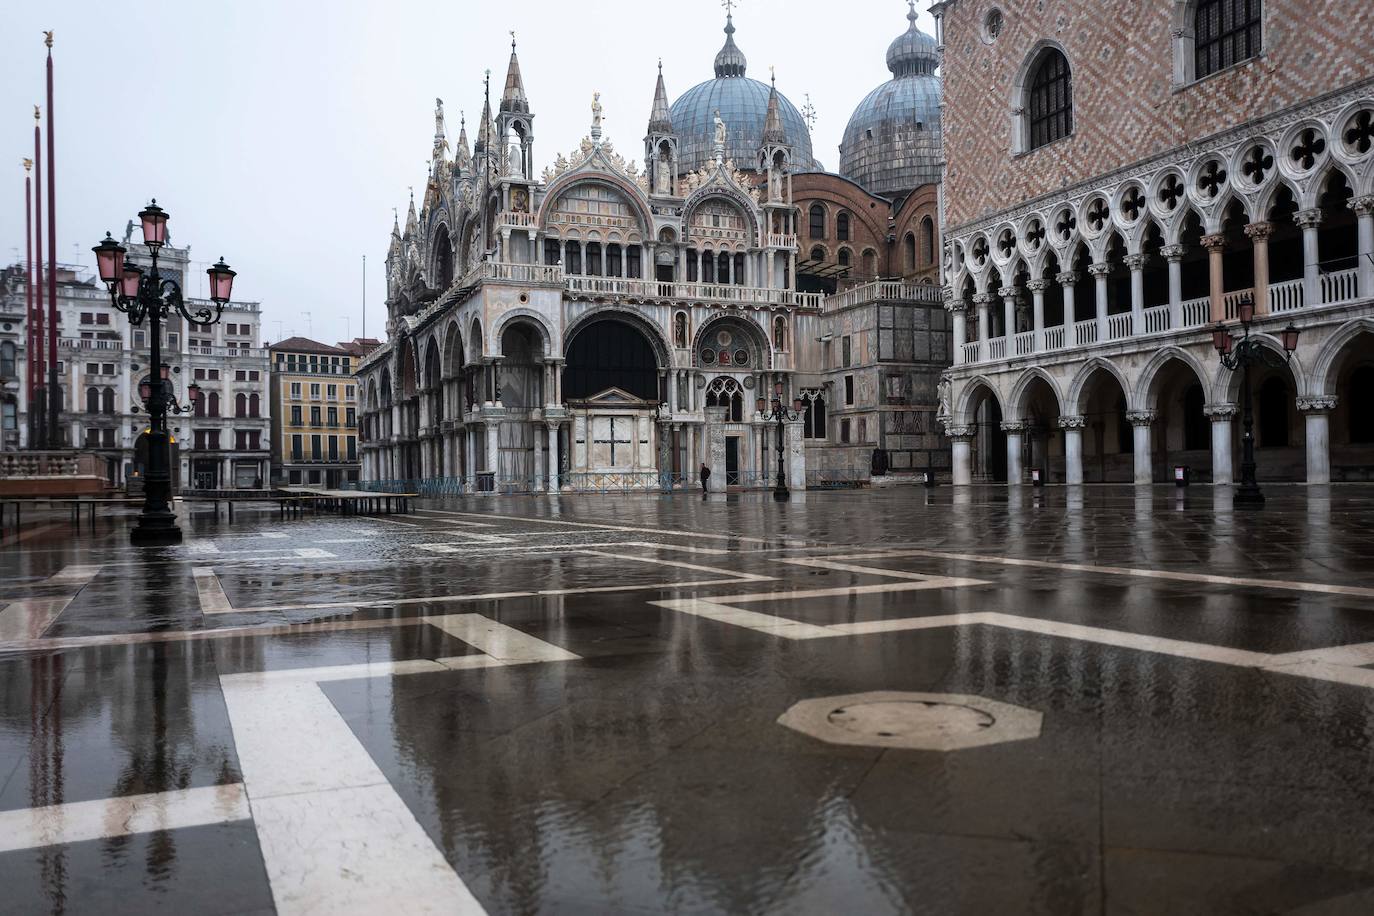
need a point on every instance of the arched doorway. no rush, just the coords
(989, 446)
(1181, 433)
(611, 386)
(520, 390)
(1041, 447)
(1108, 443)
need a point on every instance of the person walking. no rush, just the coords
(705, 476)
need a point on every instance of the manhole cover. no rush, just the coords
(915, 721)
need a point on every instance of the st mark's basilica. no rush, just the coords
(585, 322)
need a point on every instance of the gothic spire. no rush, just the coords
(660, 117)
(412, 221)
(773, 131)
(513, 98)
(485, 133)
(462, 157)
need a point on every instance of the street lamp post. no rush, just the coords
(779, 414)
(149, 295)
(1242, 354)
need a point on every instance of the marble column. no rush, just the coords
(983, 301)
(1015, 430)
(1066, 281)
(1008, 294)
(1073, 448)
(1135, 263)
(1316, 413)
(1216, 248)
(551, 476)
(1259, 233)
(961, 448)
(1308, 221)
(1173, 254)
(1221, 416)
(1364, 215)
(1099, 274)
(958, 318)
(1141, 422)
(493, 429)
(1037, 288)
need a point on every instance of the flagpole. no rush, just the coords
(31, 336)
(38, 404)
(54, 396)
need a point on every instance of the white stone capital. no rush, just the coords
(1322, 403)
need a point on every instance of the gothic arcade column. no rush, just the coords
(1008, 294)
(552, 456)
(1221, 416)
(961, 454)
(1259, 233)
(1099, 274)
(1073, 448)
(957, 309)
(1067, 281)
(1141, 422)
(983, 301)
(1037, 288)
(1173, 255)
(1015, 430)
(1136, 264)
(1364, 215)
(493, 431)
(1216, 288)
(1316, 413)
(1309, 221)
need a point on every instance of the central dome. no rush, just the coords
(743, 106)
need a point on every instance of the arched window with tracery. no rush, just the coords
(1050, 103)
(842, 226)
(1225, 32)
(817, 221)
(780, 333)
(726, 392)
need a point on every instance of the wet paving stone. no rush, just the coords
(571, 705)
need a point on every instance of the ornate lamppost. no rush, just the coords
(1242, 354)
(779, 414)
(149, 295)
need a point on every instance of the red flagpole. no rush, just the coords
(30, 332)
(38, 403)
(54, 403)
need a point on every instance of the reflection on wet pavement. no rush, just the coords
(574, 704)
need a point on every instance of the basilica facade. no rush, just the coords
(597, 324)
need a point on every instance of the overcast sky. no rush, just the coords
(281, 135)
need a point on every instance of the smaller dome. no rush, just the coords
(913, 51)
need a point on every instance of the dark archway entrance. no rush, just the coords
(609, 353)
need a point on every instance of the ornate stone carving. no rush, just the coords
(982, 298)
(1038, 286)
(1363, 206)
(1219, 411)
(1259, 232)
(1141, 417)
(1322, 403)
(1014, 426)
(1071, 422)
(1008, 292)
(1099, 270)
(1308, 219)
(1067, 278)
(960, 432)
(1134, 261)
(1173, 252)
(1215, 242)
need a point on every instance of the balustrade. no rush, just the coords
(1196, 311)
(1340, 286)
(1119, 326)
(1231, 302)
(1024, 343)
(883, 290)
(1157, 319)
(708, 292)
(1054, 338)
(1085, 332)
(971, 352)
(1285, 296)
(997, 348)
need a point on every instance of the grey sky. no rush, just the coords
(281, 135)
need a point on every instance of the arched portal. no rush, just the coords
(610, 353)
(989, 446)
(1181, 434)
(1107, 438)
(1041, 445)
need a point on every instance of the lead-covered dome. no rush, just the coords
(743, 106)
(892, 142)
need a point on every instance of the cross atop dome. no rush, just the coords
(730, 60)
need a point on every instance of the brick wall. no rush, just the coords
(1126, 107)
